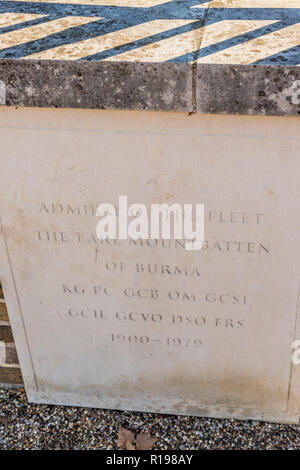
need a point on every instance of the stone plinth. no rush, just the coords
(147, 325)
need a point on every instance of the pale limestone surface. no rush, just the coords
(214, 32)
(234, 305)
(204, 57)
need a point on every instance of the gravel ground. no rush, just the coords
(26, 426)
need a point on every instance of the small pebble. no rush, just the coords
(25, 426)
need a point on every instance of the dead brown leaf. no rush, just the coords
(130, 446)
(125, 439)
(3, 420)
(144, 441)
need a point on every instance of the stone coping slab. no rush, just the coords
(218, 56)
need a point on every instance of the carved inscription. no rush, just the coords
(179, 306)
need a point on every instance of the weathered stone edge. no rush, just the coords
(97, 85)
(248, 89)
(202, 88)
